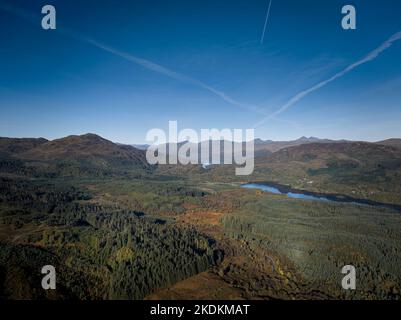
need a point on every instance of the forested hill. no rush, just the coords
(391, 142)
(78, 155)
(367, 170)
(16, 146)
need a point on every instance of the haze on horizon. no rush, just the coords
(122, 70)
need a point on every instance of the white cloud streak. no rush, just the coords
(266, 21)
(139, 61)
(186, 79)
(369, 57)
(173, 74)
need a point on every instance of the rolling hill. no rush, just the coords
(368, 170)
(16, 146)
(272, 146)
(357, 152)
(262, 148)
(77, 155)
(391, 142)
(85, 147)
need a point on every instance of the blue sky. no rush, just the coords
(203, 65)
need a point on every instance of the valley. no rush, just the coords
(116, 227)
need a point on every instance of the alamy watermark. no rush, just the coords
(348, 21)
(349, 280)
(212, 147)
(49, 20)
(49, 280)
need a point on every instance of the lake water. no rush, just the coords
(275, 190)
(313, 196)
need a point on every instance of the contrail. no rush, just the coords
(32, 18)
(172, 74)
(266, 21)
(369, 57)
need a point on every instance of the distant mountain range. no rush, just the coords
(274, 146)
(266, 147)
(93, 149)
(140, 146)
(306, 163)
(91, 144)
(262, 147)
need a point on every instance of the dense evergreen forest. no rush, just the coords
(99, 252)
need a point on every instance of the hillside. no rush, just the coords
(78, 156)
(262, 148)
(273, 146)
(219, 152)
(16, 146)
(391, 142)
(367, 170)
(357, 152)
(84, 146)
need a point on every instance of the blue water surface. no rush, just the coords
(274, 190)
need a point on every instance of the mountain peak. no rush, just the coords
(86, 146)
(91, 135)
(86, 136)
(303, 138)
